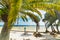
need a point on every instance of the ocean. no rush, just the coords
(24, 25)
(29, 28)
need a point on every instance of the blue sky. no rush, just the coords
(30, 22)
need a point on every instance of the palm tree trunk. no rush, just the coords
(5, 32)
(57, 28)
(37, 27)
(46, 27)
(53, 30)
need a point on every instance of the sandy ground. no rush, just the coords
(14, 35)
(29, 36)
(17, 34)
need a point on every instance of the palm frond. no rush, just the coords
(45, 5)
(35, 18)
(15, 7)
(26, 6)
(24, 18)
(2, 5)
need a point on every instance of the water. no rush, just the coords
(24, 25)
(30, 27)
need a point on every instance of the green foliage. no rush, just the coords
(27, 6)
(46, 5)
(49, 18)
(35, 18)
(24, 18)
(12, 7)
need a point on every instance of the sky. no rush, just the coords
(30, 22)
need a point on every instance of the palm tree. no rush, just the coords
(54, 18)
(34, 18)
(57, 26)
(46, 23)
(32, 6)
(58, 15)
(6, 13)
(51, 6)
(51, 20)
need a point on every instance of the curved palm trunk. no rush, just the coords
(5, 32)
(37, 27)
(46, 27)
(57, 28)
(53, 30)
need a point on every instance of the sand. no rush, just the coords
(20, 36)
(16, 33)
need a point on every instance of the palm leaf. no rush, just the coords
(24, 18)
(46, 5)
(15, 7)
(32, 16)
(26, 6)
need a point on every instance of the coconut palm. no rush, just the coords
(53, 19)
(50, 20)
(57, 26)
(6, 13)
(32, 5)
(58, 15)
(51, 6)
(32, 9)
(34, 18)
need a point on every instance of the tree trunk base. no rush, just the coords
(4, 37)
(52, 33)
(5, 32)
(37, 34)
(58, 32)
(24, 33)
(46, 31)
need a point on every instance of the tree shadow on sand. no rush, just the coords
(26, 34)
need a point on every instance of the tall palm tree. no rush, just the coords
(51, 6)
(58, 15)
(34, 18)
(51, 20)
(8, 9)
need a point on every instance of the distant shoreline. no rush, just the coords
(23, 25)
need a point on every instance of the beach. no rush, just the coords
(17, 32)
(20, 36)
